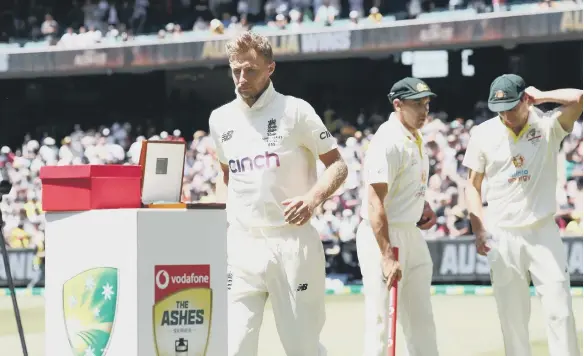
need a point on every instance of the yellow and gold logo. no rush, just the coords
(422, 87)
(499, 94)
(518, 161)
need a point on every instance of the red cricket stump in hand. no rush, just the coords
(392, 312)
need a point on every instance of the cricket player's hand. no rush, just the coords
(428, 218)
(535, 95)
(481, 239)
(390, 268)
(298, 210)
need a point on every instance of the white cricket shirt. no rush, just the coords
(271, 151)
(396, 157)
(521, 170)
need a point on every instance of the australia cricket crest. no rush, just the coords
(183, 301)
(89, 308)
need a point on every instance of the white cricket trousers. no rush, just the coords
(288, 265)
(414, 305)
(535, 253)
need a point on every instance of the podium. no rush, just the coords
(136, 281)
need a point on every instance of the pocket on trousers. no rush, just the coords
(499, 266)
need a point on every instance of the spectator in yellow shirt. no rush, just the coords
(374, 15)
(18, 237)
(574, 227)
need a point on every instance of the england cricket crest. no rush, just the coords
(89, 308)
(183, 303)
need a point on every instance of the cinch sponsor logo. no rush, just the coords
(163, 279)
(246, 164)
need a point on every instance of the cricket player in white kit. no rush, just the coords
(394, 210)
(267, 144)
(516, 153)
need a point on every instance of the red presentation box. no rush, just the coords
(87, 187)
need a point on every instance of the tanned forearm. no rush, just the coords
(328, 183)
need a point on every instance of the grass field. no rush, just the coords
(467, 326)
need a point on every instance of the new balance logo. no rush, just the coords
(227, 136)
(302, 287)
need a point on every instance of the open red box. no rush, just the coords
(87, 187)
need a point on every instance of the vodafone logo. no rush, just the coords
(170, 279)
(162, 279)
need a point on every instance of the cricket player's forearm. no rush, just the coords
(379, 225)
(562, 96)
(475, 208)
(328, 183)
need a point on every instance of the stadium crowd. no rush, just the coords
(81, 23)
(336, 219)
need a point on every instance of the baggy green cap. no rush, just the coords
(409, 88)
(506, 92)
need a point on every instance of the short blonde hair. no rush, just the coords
(248, 41)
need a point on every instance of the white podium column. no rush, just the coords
(147, 282)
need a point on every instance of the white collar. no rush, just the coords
(264, 99)
(393, 117)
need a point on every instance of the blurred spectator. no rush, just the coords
(375, 16)
(327, 12)
(354, 18)
(138, 19)
(217, 27)
(49, 27)
(68, 39)
(200, 25)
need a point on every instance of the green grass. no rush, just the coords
(33, 321)
(342, 333)
(538, 348)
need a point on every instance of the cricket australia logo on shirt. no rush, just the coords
(272, 137)
(89, 306)
(520, 174)
(533, 136)
(183, 301)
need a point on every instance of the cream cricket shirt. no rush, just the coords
(396, 157)
(271, 150)
(521, 170)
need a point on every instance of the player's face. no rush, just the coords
(515, 118)
(414, 112)
(251, 73)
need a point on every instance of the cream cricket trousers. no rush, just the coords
(288, 265)
(414, 305)
(535, 253)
